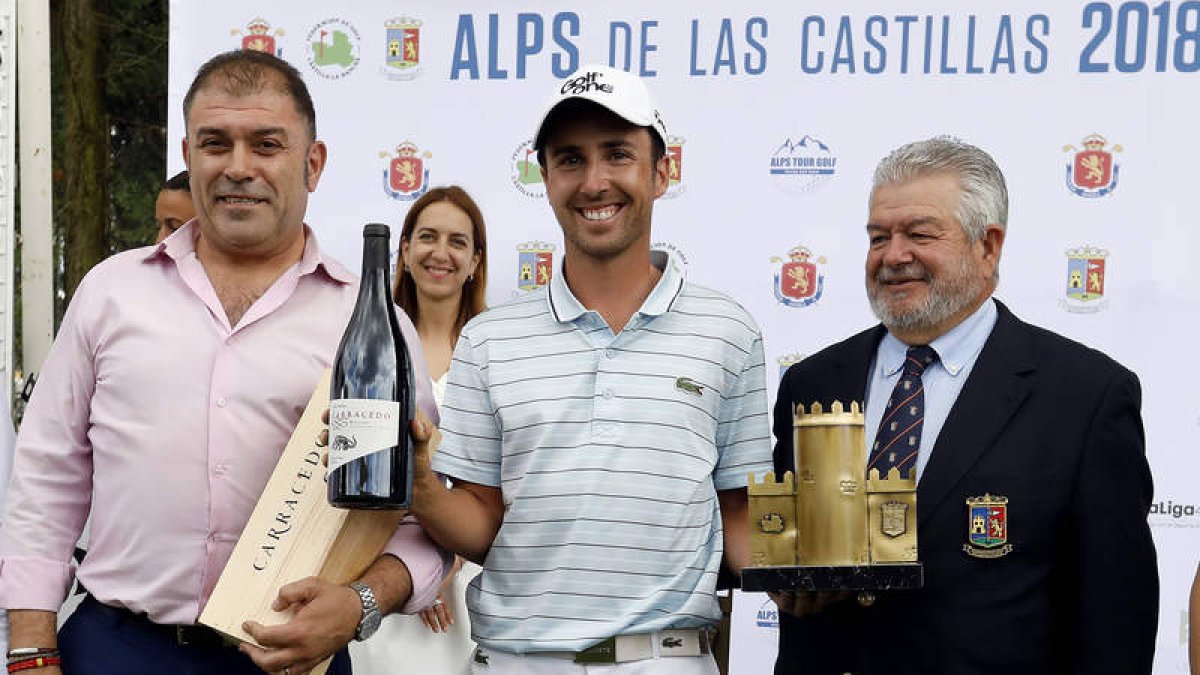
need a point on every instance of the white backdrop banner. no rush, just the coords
(777, 115)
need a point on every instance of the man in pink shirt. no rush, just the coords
(172, 387)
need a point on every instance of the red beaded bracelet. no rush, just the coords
(35, 662)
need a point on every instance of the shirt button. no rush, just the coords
(610, 353)
(220, 469)
(608, 393)
(221, 402)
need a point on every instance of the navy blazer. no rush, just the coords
(1056, 428)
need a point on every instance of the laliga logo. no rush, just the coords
(585, 83)
(1170, 508)
(1170, 514)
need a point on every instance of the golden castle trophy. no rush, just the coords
(831, 526)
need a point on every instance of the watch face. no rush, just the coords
(371, 617)
(370, 624)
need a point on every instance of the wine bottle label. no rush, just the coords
(358, 427)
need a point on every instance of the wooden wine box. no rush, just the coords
(294, 533)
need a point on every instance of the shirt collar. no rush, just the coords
(956, 348)
(566, 307)
(182, 243)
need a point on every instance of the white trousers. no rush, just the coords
(490, 662)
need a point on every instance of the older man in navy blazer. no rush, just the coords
(1033, 486)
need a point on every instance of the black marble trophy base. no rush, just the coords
(899, 576)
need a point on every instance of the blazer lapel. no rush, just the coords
(998, 385)
(852, 369)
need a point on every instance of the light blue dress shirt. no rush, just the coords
(957, 351)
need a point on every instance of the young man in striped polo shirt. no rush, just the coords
(599, 430)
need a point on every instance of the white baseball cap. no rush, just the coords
(622, 93)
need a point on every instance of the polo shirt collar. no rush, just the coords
(566, 307)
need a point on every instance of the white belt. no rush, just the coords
(640, 646)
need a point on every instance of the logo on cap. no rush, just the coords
(582, 84)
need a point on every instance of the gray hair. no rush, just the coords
(983, 199)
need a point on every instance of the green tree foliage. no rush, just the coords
(110, 90)
(85, 157)
(137, 104)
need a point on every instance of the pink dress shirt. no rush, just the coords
(166, 422)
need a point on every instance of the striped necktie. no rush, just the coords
(899, 435)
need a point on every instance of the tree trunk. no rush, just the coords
(85, 158)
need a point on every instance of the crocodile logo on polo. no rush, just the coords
(688, 385)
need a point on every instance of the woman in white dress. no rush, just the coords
(440, 282)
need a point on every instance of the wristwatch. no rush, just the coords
(371, 616)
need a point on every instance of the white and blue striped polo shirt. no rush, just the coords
(609, 451)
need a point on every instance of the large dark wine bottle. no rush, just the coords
(371, 398)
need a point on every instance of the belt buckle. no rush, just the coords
(181, 636)
(682, 642)
(601, 652)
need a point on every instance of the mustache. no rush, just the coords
(231, 189)
(906, 272)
